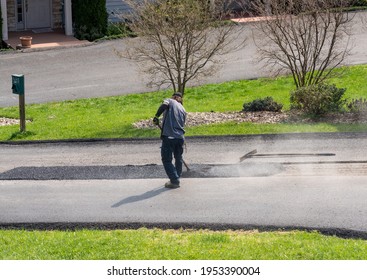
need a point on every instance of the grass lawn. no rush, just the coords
(156, 244)
(112, 117)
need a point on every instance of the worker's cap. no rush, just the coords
(177, 94)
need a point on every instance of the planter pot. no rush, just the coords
(26, 41)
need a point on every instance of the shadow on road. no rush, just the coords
(144, 196)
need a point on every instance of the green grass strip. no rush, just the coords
(156, 244)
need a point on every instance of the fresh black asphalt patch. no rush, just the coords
(150, 171)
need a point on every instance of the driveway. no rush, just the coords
(308, 181)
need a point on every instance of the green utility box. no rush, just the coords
(17, 82)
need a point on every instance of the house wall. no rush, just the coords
(57, 14)
(12, 22)
(57, 11)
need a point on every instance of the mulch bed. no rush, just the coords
(195, 119)
(7, 121)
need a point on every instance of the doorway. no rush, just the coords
(33, 14)
(38, 13)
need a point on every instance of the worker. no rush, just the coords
(172, 135)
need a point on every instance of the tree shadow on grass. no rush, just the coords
(21, 135)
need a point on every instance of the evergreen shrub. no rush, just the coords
(318, 99)
(265, 104)
(90, 19)
(357, 105)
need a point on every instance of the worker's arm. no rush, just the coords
(160, 110)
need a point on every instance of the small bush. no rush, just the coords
(357, 105)
(266, 104)
(90, 19)
(359, 3)
(318, 99)
(118, 29)
(114, 29)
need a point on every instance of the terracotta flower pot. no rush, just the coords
(26, 41)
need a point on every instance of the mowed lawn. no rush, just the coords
(157, 244)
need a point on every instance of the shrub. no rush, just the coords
(318, 99)
(359, 3)
(266, 104)
(118, 29)
(90, 19)
(357, 105)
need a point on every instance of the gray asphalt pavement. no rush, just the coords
(330, 204)
(62, 184)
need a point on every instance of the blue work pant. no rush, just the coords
(172, 148)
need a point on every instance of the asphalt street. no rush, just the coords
(308, 181)
(96, 70)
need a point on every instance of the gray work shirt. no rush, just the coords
(174, 119)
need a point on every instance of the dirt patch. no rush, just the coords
(201, 118)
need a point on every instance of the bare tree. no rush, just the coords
(179, 40)
(308, 38)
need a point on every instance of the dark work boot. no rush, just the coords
(171, 185)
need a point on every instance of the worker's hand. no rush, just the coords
(156, 121)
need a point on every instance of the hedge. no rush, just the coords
(90, 19)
